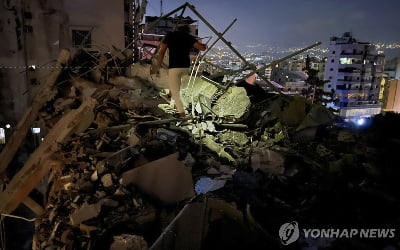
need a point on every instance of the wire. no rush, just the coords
(18, 217)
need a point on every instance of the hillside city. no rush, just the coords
(264, 54)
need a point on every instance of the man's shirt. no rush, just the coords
(179, 45)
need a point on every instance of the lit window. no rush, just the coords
(346, 60)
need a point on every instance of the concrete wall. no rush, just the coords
(392, 96)
(33, 32)
(12, 63)
(105, 18)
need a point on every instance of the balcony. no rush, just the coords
(349, 70)
(348, 81)
(353, 53)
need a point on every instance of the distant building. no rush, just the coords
(391, 100)
(292, 81)
(354, 70)
(32, 34)
(168, 24)
(291, 74)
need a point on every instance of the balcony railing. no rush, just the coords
(352, 53)
(349, 70)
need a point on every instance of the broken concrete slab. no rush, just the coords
(195, 89)
(294, 113)
(167, 179)
(318, 116)
(233, 103)
(84, 213)
(199, 226)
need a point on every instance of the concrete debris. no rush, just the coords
(345, 136)
(267, 161)
(318, 116)
(295, 112)
(201, 224)
(232, 104)
(84, 213)
(233, 138)
(128, 242)
(168, 179)
(94, 176)
(107, 181)
(133, 138)
(209, 142)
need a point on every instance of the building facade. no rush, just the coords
(33, 32)
(354, 70)
(292, 76)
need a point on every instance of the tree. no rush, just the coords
(315, 90)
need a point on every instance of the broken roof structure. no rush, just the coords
(120, 172)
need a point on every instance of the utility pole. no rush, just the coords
(161, 8)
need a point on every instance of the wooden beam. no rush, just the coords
(33, 205)
(44, 94)
(41, 161)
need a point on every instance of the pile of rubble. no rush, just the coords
(126, 174)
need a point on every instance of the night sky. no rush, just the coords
(294, 22)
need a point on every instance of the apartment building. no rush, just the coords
(354, 70)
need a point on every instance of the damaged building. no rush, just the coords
(112, 168)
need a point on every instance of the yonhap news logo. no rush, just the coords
(290, 232)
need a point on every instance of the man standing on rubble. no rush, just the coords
(179, 43)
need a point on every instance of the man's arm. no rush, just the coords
(200, 46)
(161, 54)
(155, 68)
